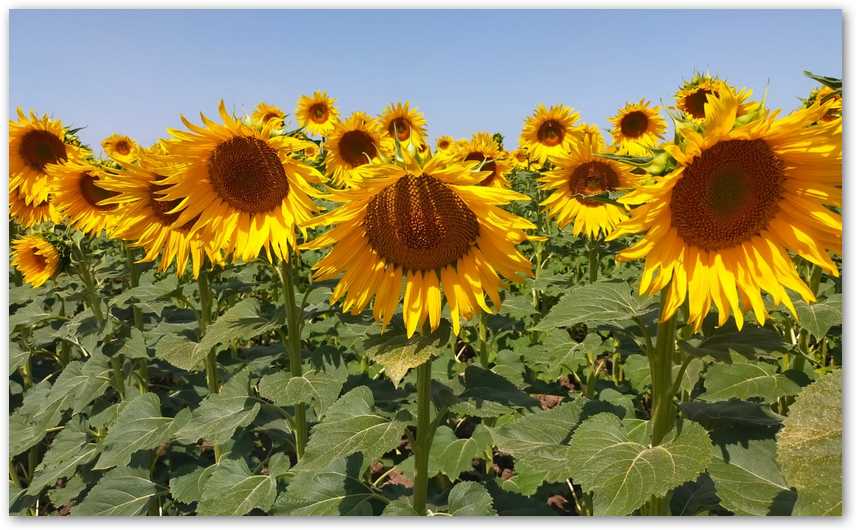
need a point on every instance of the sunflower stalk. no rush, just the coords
(484, 351)
(593, 259)
(134, 280)
(424, 436)
(292, 346)
(205, 304)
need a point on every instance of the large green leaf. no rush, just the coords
(233, 489)
(122, 491)
(469, 499)
(748, 480)
(69, 450)
(318, 387)
(746, 379)
(243, 321)
(723, 343)
(488, 394)
(606, 302)
(457, 454)
(623, 473)
(809, 449)
(336, 489)
(819, 317)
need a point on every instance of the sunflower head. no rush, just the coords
(520, 157)
(28, 215)
(482, 150)
(36, 259)
(263, 113)
(427, 227)
(636, 128)
(352, 146)
(403, 123)
(576, 185)
(79, 196)
(444, 143)
(121, 148)
(744, 194)
(317, 113)
(549, 132)
(824, 94)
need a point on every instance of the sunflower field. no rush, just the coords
(319, 314)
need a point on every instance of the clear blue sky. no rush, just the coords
(135, 71)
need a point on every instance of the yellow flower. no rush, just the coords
(121, 148)
(240, 184)
(549, 132)
(520, 157)
(78, 195)
(824, 94)
(637, 128)
(576, 179)
(28, 215)
(745, 193)
(407, 124)
(317, 113)
(149, 221)
(424, 227)
(36, 259)
(693, 94)
(445, 142)
(351, 146)
(34, 143)
(482, 148)
(264, 113)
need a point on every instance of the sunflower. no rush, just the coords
(150, 222)
(823, 94)
(36, 258)
(744, 193)
(352, 144)
(427, 226)
(404, 123)
(317, 113)
(28, 215)
(34, 143)
(520, 157)
(576, 178)
(444, 143)
(482, 148)
(240, 184)
(637, 128)
(264, 113)
(121, 148)
(549, 132)
(77, 194)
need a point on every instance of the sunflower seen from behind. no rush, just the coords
(78, 195)
(573, 184)
(352, 145)
(823, 94)
(34, 143)
(317, 113)
(264, 112)
(483, 150)
(121, 148)
(637, 128)
(404, 123)
(240, 185)
(745, 194)
(428, 228)
(36, 259)
(549, 131)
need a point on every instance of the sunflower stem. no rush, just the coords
(205, 303)
(593, 259)
(292, 346)
(424, 436)
(134, 278)
(662, 386)
(484, 352)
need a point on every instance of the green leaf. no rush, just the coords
(122, 491)
(233, 489)
(351, 425)
(694, 498)
(744, 380)
(750, 342)
(69, 450)
(819, 317)
(558, 354)
(179, 351)
(243, 321)
(624, 473)
(748, 480)
(809, 449)
(332, 490)
(469, 499)
(637, 369)
(398, 354)
(316, 387)
(139, 426)
(489, 394)
(456, 456)
(604, 302)
(188, 487)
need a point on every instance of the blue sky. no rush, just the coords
(135, 72)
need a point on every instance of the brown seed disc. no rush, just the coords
(40, 148)
(161, 208)
(593, 178)
(728, 194)
(123, 147)
(319, 113)
(551, 133)
(247, 174)
(420, 224)
(357, 148)
(487, 166)
(93, 194)
(41, 261)
(400, 127)
(634, 124)
(694, 103)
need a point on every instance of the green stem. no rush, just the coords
(205, 303)
(118, 375)
(660, 361)
(484, 353)
(424, 435)
(594, 259)
(292, 346)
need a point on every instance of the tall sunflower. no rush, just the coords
(149, 221)
(406, 124)
(549, 132)
(445, 143)
(34, 143)
(637, 127)
(28, 215)
(425, 226)
(693, 94)
(719, 227)
(77, 194)
(240, 184)
(577, 177)
(317, 113)
(36, 258)
(264, 113)
(351, 146)
(482, 148)
(121, 148)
